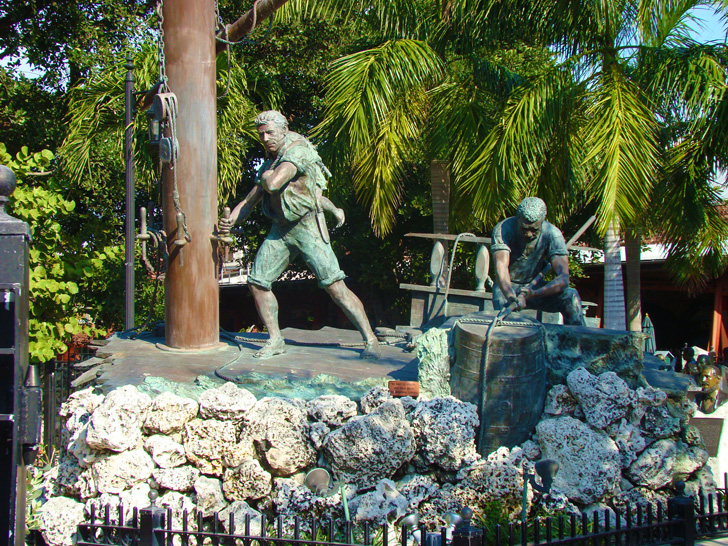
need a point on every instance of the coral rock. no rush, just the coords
(331, 410)
(279, 430)
(169, 413)
(209, 496)
(118, 472)
(116, 423)
(181, 478)
(371, 447)
(249, 481)
(604, 399)
(60, 517)
(589, 461)
(207, 442)
(227, 403)
(444, 430)
(166, 452)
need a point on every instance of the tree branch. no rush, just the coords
(262, 9)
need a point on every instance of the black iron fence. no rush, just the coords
(57, 377)
(681, 521)
(712, 513)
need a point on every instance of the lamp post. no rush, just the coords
(546, 470)
(129, 112)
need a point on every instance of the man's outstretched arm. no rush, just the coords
(242, 210)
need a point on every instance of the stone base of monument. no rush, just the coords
(212, 448)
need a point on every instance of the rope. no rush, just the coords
(218, 370)
(444, 306)
(224, 28)
(449, 271)
(347, 345)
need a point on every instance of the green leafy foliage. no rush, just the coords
(35, 490)
(66, 41)
(29, 113)
(60, 266)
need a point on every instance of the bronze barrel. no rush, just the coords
(514, 368)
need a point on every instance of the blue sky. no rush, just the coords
(709, 27)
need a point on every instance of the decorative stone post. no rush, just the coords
(14, 240)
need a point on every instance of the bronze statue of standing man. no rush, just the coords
(289, 184)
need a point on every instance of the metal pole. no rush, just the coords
(129, 185)
(191, 285)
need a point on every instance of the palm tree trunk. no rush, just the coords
(613, 284)
(632, 243)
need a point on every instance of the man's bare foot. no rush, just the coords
(273, 347)
(371, 350)
(340, 216)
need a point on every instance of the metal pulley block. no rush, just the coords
(164, 106)
(180, 242)
(157, 238)
(163, 110)
(168, 150)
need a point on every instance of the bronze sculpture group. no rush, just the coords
(290, 185)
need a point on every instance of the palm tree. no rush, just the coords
(628, 117)
(649, 94)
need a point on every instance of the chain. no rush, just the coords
(164, 87)
(170, 104)
(220, 25)
(223, 28)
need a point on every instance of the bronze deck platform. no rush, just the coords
(312, 358)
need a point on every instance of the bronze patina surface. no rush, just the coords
(328, 363)
(514, 380)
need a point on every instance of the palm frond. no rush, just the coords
(95, 108)
(510, 160)
(378, 169)
(666, 22)
(96, 117)
(411, 19)
(620, 136)
(712, 134)
(688, 209)
(300, 10)
(461, 114)
(363, 88)
(684, 81)
(235, 128)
